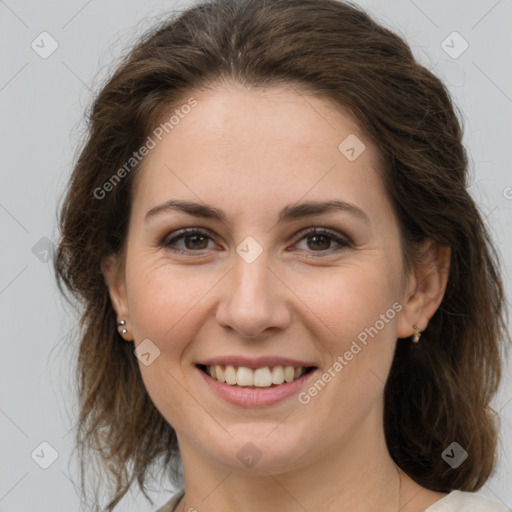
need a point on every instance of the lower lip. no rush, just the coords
(255, 397)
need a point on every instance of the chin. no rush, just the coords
(256, 451)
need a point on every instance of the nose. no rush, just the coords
(254, 299)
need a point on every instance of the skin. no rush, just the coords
(251, 153)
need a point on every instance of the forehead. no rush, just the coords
(280, 141)
(233, 116)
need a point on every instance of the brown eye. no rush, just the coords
(196, 241)
(193, 241)
(320, 240)
(317, 240)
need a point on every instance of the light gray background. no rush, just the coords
(42, 102)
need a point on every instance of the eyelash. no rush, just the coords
(344, 243)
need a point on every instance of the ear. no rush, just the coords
(425, 288)
(112, 270)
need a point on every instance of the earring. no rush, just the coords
(416, 335)
(123, 331)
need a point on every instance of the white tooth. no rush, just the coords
(230, 375)
(277, 375)
(262, 377)
(244, 376)
(219, 372)
(289, 372)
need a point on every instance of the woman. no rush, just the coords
(291, 301)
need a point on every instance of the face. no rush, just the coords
(261, 280)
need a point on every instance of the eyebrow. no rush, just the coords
(288, 213)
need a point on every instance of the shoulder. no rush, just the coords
(460, 501)
(171, 504)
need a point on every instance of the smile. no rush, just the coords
(255, 387)
(264, 377)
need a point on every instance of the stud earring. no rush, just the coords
(416, 335)
(120, 324)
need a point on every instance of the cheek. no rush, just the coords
(355, 329)
(342, 302)
(165, 307)
(165, 302)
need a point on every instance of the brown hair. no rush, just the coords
(439, 390)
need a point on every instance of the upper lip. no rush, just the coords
(257, 362)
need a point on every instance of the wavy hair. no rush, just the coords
(438, 390)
